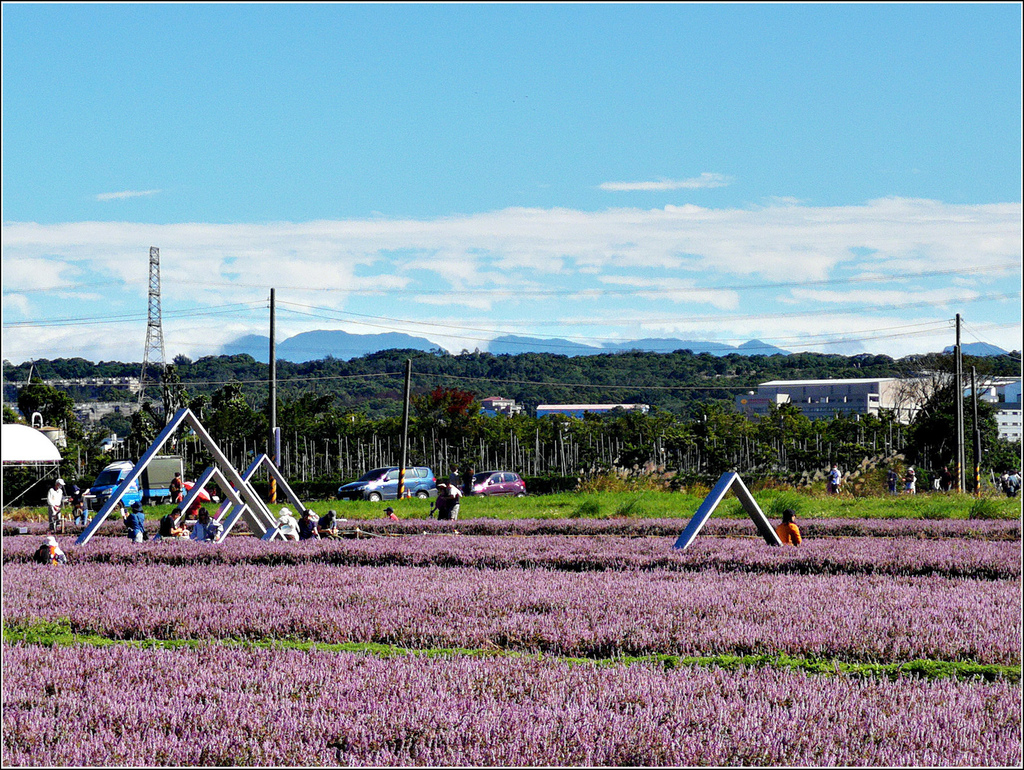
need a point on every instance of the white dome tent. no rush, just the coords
(25, 447)
(22, 445)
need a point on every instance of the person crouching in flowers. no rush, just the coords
(49, 552)
(788, 531)
(287, 526)
(205, 529)
(327, 526)
(168, 527)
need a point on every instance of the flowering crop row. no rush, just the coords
(638, 527)
(114, 707)
(715, 527)
(869, 618)
(887, 556)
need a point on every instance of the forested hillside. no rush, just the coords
(372, 384)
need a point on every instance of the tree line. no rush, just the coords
(338, 418)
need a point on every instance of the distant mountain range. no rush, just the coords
(315, 345)
(977, 349)
(513, 344)
(312, 346)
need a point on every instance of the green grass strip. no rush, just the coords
(59, 633)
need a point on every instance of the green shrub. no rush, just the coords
(984, 508)
(589, 509)
(775, 503)
(632, 507)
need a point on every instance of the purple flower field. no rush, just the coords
(642, 527)
(861, 591)
(874, 618)
(990, 560)
(218, 706)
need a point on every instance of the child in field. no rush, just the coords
(788, 531)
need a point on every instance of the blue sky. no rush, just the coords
(840, 178)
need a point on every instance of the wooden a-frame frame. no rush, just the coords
(261, 521)
(729, 480)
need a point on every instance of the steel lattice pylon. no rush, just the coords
(154, 353)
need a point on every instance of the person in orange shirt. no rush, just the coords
(50, 553)
(787, 531)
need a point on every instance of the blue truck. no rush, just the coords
(152, 487)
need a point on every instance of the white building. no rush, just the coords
(824, 399)
(495, 405)
(1004, 394)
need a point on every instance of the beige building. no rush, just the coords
(824, 399)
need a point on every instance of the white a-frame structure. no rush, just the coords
(230, 510)
(245, 502)
(728, 481)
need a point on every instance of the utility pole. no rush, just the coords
(959, 396)
(272, 401)
(154, 353)
(405, 428)
(977, 433)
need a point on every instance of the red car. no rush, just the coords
(499, 483)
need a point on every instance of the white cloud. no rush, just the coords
(704, 181)
(498, 265)
(117, 196)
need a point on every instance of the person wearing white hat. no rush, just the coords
(50, 553)
(54, 501)
(287, 526)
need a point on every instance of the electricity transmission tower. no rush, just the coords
(154, 354)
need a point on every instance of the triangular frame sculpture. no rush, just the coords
(232, 498)
(730, 480)
(228, 514)
(261, 521)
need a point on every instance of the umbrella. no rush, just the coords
(203, 496)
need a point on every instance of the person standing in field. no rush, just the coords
(835, 480)
(78, 505)
(1012, 484)
(175, 488)
(945, 479)
(135, 523)
(892, 481)
(447, 502)
(788, 531)
(54, 501)
(910, 481)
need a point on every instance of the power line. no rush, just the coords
(128, 317)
